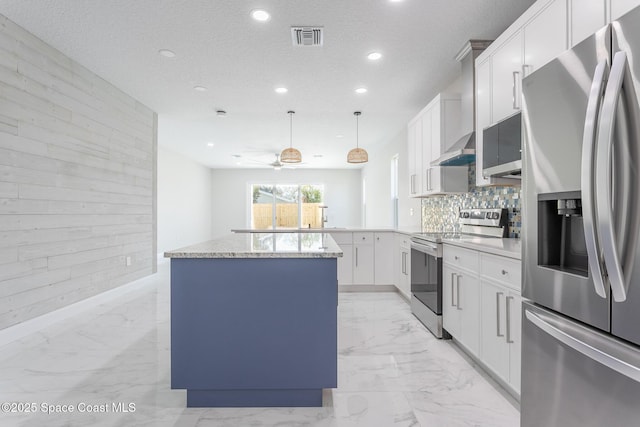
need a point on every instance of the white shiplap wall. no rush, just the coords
(77, 180)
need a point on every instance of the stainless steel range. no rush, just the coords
(426, 262)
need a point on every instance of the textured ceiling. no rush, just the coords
(219, 46)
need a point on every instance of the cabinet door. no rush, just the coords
(514, 307)
(483, 113)
(404, 282)
(506, 78)
(384, 256)
(427, 140)
(587, 16)
(545, 36)
(345, 265)
(415, 158)
(450, 312)
(620, 7)
(363, 257)
(468, 290)
(495, 352)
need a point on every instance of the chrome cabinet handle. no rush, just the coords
(453, 304)
(356, 257)
(604, 175)
(413, 184)
(508, 313)
(498, 333)
(458, 276)
(587, 179)
(516, 92)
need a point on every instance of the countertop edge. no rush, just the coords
(480, 247)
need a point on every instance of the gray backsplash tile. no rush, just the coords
(440, 213)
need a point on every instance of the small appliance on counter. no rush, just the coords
(426, 262)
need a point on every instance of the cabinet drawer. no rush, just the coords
(461, 258)
(501, 269)
(363, 238)
(343, 238)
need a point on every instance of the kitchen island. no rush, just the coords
(254, 320)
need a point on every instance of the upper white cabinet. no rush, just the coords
(414, 134)
(545, 36)
(620, 7)
(430, 133)
(506, 80)
(587, 17)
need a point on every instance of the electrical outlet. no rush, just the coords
(410, 211)
(128, 261)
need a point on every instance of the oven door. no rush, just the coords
(426, 275)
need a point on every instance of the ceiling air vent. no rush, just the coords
(307, 36)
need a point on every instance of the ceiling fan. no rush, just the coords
(277, 164)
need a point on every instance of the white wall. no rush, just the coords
(185, 201)
(377, 174)
(77, 181)
(231, 194)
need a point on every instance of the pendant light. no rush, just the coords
(357, 155)
(290, 155)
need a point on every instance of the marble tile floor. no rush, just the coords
(114, 350)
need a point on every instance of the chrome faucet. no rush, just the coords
(324, 217)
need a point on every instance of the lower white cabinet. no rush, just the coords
(461, 297)
(403, 264)
(501, 317)
(345, 262)
(383, 258)
(482, 308)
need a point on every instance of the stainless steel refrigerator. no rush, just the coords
(581, 228)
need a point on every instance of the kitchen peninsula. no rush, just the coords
(254, 319)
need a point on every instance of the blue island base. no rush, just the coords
(253, 398)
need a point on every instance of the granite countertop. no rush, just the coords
(263, 245)
(511, 248)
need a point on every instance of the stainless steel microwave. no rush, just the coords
(502, 148)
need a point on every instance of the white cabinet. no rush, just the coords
(403, 264)
(545, 36)
(506, 78)
(461, 296)
(414, 158)
(345, 263)
(587, 17)
(363, 258)
(384, 254)
(620, 7)
(501, 317)
(430, 133)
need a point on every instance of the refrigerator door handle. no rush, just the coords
(623, 367)
(594, 254)
(604, 153)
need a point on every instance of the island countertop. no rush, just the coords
(263, 245)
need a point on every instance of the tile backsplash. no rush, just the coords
(440, 213)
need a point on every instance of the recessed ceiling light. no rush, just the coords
(210, 144)
(237, 156)
(200, 88)
(317, 156)
(281, 90)
(339, 136)
(361, 90)
(221, 113)
(167, 53)
(374, 56)
(260, 15)
(396, 1)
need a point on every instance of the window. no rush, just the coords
(286, 206)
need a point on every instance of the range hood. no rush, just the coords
(463, 151)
